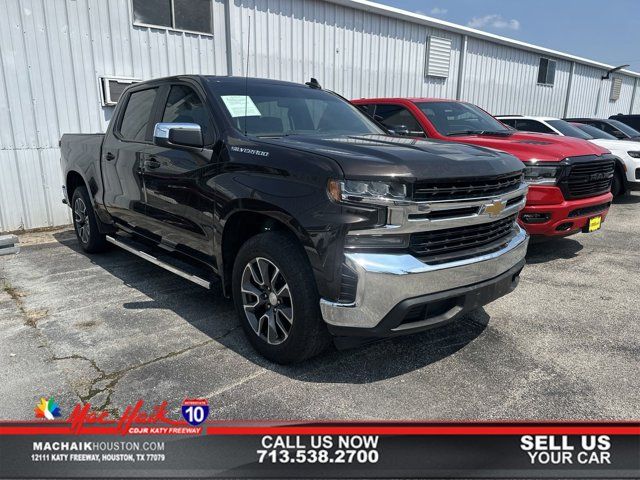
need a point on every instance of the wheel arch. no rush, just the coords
(243, 223)
(74, 180)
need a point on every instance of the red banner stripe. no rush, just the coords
(357, 430)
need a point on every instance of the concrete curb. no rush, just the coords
(9, 244)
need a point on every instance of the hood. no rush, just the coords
(617, 147)
(383, 156)
(539, 146)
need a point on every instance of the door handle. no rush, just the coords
(152, 163)
(109, 156)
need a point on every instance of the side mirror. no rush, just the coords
(401, 130)
(178, 135)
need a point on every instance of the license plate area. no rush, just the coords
(593, 224)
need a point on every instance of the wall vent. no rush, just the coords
(112, 87)
(616, 87)
(438, 57)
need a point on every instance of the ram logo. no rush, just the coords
(599, 176)
(494, 209)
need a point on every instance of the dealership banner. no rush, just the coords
(146, 442)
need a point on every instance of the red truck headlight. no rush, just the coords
(541, 174)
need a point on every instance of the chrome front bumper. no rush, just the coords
(384, 280)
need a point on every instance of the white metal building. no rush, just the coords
(64, 62)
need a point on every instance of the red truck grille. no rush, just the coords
(424, 191)
(590, 178)
(454, 243)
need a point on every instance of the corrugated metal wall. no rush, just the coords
(355, 53)
(53, 51)
(503, 80)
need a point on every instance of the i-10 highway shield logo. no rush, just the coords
(195, 410)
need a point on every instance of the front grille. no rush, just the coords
(590, 178)
(462, 242)
(425, 191)
(348, 285)
(581, 212)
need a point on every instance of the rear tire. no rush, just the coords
(85, 223)
(276, 298)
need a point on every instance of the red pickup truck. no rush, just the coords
(569, 179)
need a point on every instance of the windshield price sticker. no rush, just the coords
(240, 106)
(290, 449)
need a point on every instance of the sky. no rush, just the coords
(607, 31)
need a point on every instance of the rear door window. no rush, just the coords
(135, 120)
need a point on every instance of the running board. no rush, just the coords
(132, 246)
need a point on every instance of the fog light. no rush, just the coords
(563, 227)
(535, 217)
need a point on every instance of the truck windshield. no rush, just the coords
(271, 110)
(456, 118)
(594, 132)
(569, 130)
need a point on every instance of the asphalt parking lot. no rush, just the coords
(111, 329)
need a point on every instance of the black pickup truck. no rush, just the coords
(316, 219)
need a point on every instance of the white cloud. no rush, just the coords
(494, 21)
(438, 11)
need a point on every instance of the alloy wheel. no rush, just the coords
(81, 219)
(267, 301)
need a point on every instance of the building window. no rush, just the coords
(186, 15)
(547, 72)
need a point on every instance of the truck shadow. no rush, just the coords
(541, 251)
(215, 316)
(627, 199)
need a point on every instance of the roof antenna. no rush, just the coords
(313, 83)
(246, 79)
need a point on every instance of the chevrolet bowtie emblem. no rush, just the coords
(494, 209)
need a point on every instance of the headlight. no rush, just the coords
(367, 191)
(634, 154)
(541, 174)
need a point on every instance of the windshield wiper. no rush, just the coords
(274, 135)
(465, 132)
(502, 133)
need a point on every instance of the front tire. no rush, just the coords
(617, 184)
(85, 223)
(276, 298)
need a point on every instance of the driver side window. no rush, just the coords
(185, 106)
(397, 118)
(533, 126)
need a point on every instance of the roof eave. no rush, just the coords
(472, 32)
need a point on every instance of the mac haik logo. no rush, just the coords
(47, 408)
(494, 209)
(136, 419)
